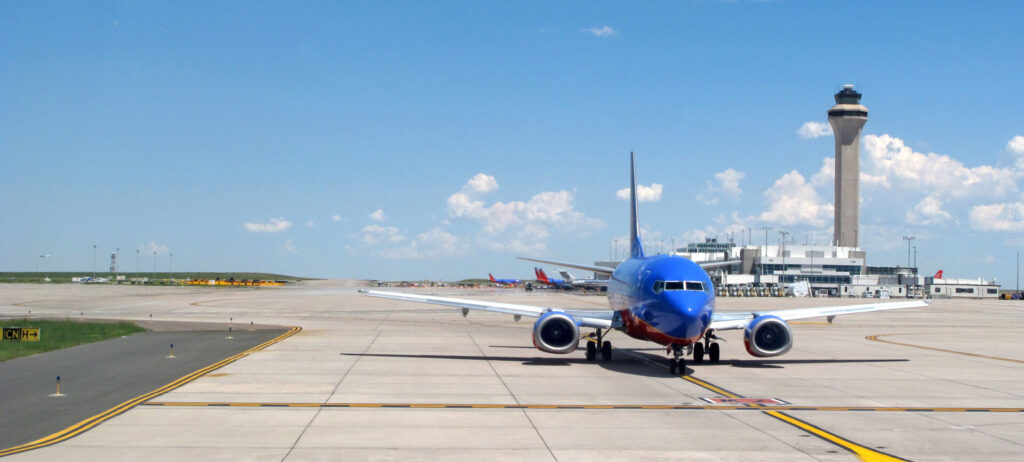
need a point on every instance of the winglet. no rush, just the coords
(636, 249)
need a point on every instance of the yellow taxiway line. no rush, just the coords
(97, 419)
(629, 407)
(964, 353)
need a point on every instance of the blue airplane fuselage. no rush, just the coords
(650, 312)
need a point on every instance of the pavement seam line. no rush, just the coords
(876, 338)
(335, 390)
(91, 422)
(506, 385)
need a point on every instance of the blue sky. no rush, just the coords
(265, 136)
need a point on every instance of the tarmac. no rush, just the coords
(377, 379)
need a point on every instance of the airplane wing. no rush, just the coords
(726, 321)
(596, 269)
(587, 318)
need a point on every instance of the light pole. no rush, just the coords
(41, 257)
(908, 239)
(766, 229)
(782, 250)
(170, 274)
(1018, 271)
(915, 259)
(136, 262)
(154, 267)
(94, 261)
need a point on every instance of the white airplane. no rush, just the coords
(666, 299)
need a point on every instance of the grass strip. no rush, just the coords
(55, 335)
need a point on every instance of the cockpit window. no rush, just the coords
(660, 286)
(674, 285)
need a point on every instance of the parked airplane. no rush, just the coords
(504, 282)
(665, 299)
(938, 275)
(543, 278)
(583, 283)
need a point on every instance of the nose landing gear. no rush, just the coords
(676, 364)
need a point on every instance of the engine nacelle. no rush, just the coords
(556, 332)
(767, 336)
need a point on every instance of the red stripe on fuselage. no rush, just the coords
(639, 329)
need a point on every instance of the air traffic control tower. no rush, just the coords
(847, 118)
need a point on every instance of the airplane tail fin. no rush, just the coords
(492, 278)
(938, 275)
(566, 275)
(542, 277)
(636, 248)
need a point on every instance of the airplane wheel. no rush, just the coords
(591, 351)
(698, 352)
(672, 366)
(713, 352)
(682, 366)
(606, 351)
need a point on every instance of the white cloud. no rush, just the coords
(153, 247)
(432, 244)
(811, 130)
(604, 31)
(727, 184)
(275, 225)
(892, 162)
(650, 193)
(791, 200)
(928, 212)
(481, 183)
(336, 218)
(998, 217)
(1016, 145)
(378, 215)
(827, 174)
(375, 234)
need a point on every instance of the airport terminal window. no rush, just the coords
(963, 290)
(993, 291)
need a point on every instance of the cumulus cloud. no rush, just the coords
(811, 130)
(792, 200)
(1016, 145)
(152, 248)
(480, 183)
(892, 162)
(603, 31)
(336, 218)
(727, 183)
(928, 212)
(275, 225)
(376, 234)
(436, 243)
(650, 193)
(378, 215)
(998, 217)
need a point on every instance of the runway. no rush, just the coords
(374, 379)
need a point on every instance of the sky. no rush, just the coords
(440, 140)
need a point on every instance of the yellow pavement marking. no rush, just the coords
(97, 419)
(964, 353)
(630, 407)
(860, 451)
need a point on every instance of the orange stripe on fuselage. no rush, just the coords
(640, 329)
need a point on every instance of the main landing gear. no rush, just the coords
(598, 344)
(709, 347)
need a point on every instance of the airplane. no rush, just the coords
(584, 283)
(938, 275)
(666, 299)
(543, 278)
(503, 282)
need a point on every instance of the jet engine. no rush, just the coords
(767, 336)
(556, 332)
